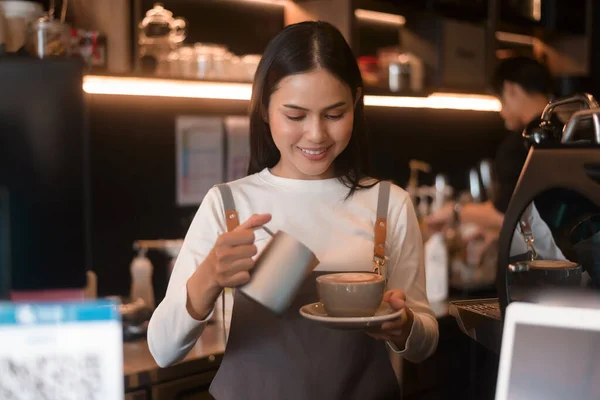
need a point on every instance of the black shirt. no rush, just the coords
(510, 158)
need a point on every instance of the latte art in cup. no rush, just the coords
(351, 294)
(351, 277)
(550, 264)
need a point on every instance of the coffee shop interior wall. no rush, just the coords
(133, 167)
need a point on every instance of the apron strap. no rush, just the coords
(529, 238)
(383, 201)
(232, 221)
(231, 216)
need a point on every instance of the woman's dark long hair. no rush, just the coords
(297, 49)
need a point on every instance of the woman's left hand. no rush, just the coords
(397, 330)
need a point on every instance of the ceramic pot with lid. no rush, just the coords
(159, 34)
(159, 26)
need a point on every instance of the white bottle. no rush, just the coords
(141, 280)
(436, 251)
(436, 268)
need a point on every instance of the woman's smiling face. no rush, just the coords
(311, 116)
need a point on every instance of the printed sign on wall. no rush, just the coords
(200, 162)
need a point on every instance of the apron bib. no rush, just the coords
(289, 357)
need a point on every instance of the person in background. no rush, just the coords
(308, 170)
(524, 87)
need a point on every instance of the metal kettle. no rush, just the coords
(544, 130)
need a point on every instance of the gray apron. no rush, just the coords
(289, 357)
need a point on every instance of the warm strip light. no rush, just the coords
(376, 16)
(166, 88)
(455, 101)
(515, 38)
(396, 101)
(449, 101)
(242, 91)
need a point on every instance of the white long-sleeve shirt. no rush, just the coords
(339, 231)
(544, 242)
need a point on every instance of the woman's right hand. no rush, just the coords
(233, 252)
(227, 265)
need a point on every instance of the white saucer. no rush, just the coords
(316, 312)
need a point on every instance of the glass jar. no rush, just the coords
(211, 61)
(169, 68)
(399, 74)
(235, 71)
(250, 63)
(203, 61)
(220, 62)
(48, 38)
(187, 63)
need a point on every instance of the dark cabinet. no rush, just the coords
(467, 10)
(521, 11)
(567, 17)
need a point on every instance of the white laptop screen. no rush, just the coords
(553, 362)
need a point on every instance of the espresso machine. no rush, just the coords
(556, 253)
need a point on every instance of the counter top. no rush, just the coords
(140, 369)
(480, 324)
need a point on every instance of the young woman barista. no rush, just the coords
(307, 171)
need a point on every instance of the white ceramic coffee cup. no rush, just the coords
(351, 294)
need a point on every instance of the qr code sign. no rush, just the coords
(51, 377)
